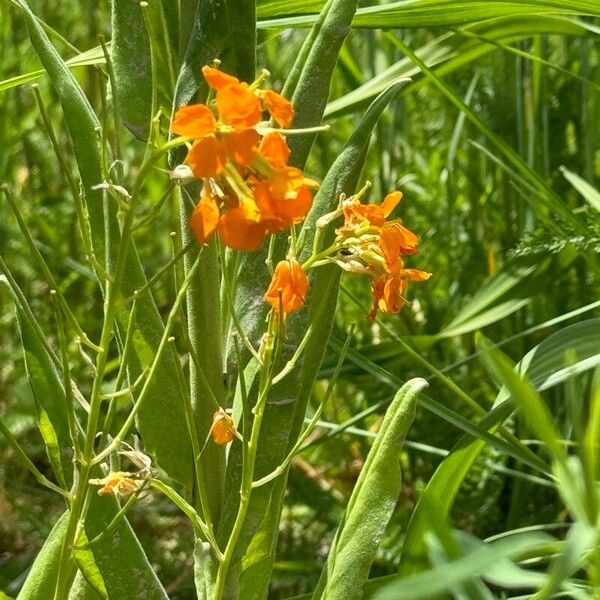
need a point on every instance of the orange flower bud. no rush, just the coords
(288, 288)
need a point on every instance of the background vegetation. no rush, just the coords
(492, 149)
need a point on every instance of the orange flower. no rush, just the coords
(205, 217)
(241, 227)
(396, 241)
(223, 427)
(279, 108)
(251, 192)
(207, 157)
(388, 291)
(275, 149)
(238, 106)
(216, 78)
(288, 288)
(195, 120)
(284, 199)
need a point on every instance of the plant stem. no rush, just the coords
(249, 458)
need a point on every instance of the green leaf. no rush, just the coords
(204, 570)
(372, 503)
(94, 56)
(590, 193)
(41, 579)
(49, 400)
(444, 578)
(542, 364)
(42, 368)
(115, 564)
(130, 53)
(523, 393)
(547, 204)
(571, 350)
(310, 77)
(120, 561)
(430, 13)
(483, 309)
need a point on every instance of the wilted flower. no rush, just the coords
(223, 428)
(120, 483)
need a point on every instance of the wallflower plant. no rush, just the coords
(265, 235)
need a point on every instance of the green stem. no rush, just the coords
(249, 458)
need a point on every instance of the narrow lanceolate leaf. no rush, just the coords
(210, 38)
(115, 565)
(452, 51)
(130, 51)
(486, 306)
(41, 580)
(162, 418)
(589, 192)
(42, 367)
(286, 406)
(428, 13)
(116, 562)
(242, 32)
(49, 400)
(371, 504)
(311, 75)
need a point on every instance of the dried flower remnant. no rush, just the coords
(288, 288)
(119, 483)
(223, 428)
(248, 190)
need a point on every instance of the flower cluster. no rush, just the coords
(249, 191)
(368, 243)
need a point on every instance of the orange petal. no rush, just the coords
(356, 213)
(275, 149)
(396, 241)
(288, 288)
(205, 218)
(279, 108)
(238, 106)
(415, 275)
(207, 157)
(217, 79)
(240, 229)
(195, 120)
(223, 427)
(390, 202)
(241, 146)
(393, 295)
